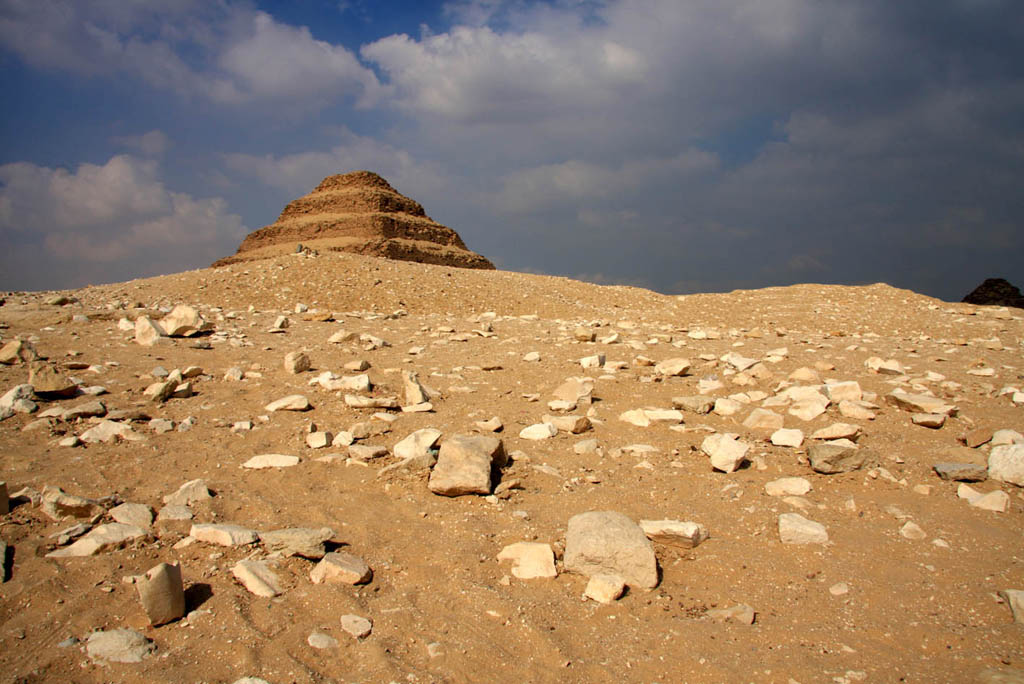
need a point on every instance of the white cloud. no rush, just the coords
(275, 60)
(115, 218)
(228, 53)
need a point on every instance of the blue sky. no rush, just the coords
(682, 145)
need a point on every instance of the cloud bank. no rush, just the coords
(686, 146)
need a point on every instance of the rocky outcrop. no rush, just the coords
(995, 292)
(361, 213)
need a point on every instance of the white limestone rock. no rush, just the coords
(223, 534)
(796, 529)
(293, 402)
(162, 593)
(609, 543)
(271, 461)
(787, 486)
(685, 535)
(786, 437)
(1006, 464)
(118, 646)
(530, 560)
(604, 588)
(538, 432)
(727, 452)
(258, 578)
(101, 538)
(465, 464)
(340, 567)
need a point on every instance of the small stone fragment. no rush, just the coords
(136, 514)
(837, 456)
(297, 541)
(297, 362)
(258, 578)
(786, 437)
(741, 613)
(530, 560)
(464, 465)
(764, 419)
(1015, 600)
(929, 420)
(673, 367)
(604, 588)
(147, 332)
(342, 568)
(321, 641)
(162, 593)
(538, 431)
(788, 486)
(271, 461)
(1006, 464)
(685, 535)
(356, 625)
(912, 530)
(726, 452)
(118, 646)
(961, 472)
(102, 538)
(796, 529)
(293, 402)
(223, 534)
(189, 493)
(607, 542)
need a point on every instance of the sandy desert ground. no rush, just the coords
(906, 588)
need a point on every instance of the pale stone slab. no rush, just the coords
(109, 431)
(118, 646)
(726, 452)
(464, 465)
(673, 367)
(538, 432)
(189, 493)
(297, 541)
(341, 568)
(293, 402)
(356, 625)
(271, 461)
(147, 332)
(258, 578)
(136, 514)
(183, 321)
(530, 560)
(836, 456)
(604, 588)
(102, 538)
(796, 529)
(609, 543)
(788, 486)
(223, 534)
(837, 431)
(764, 419)
(920, 403)
(787, 437)
(1015, 600)
(685, 535)
(1006, 464)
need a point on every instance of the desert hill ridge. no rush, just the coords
(358, 212)
(683, 409)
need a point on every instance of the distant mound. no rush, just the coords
(361, 213)
(995, 292)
